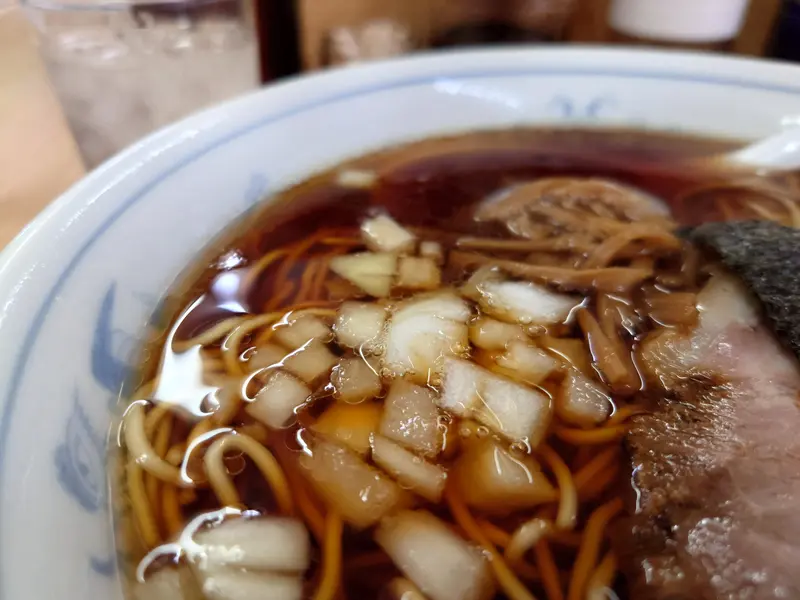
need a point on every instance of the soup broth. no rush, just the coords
(410, 376)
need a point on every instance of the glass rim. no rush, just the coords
(114, 5)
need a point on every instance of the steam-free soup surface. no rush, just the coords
(410, 376)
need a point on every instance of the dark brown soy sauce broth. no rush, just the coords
(431, 184)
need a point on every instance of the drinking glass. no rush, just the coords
(123, 68)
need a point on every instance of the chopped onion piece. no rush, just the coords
(354, 381)
(163, 584)
(433, 250)
(411, 471)
(384, 234)
(357, 178)
(362, 494)
(491, 334)
(370, 271)
(482, 275)
(492, 479)
(244, 585)
(310, 362)
(359, 325)
(508, 408)
(410, 417)
(263, 357)
(350, 424)
(301, 330)
(400, 588)
(262, 544)
(527, 363)
(439, 562)
(524, 302)
(423, 331)
(414, 273)
(275, 403)
(461, 387)
(582, 402)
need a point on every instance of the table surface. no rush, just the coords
(37, 153)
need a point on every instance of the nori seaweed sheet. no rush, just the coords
(766, 257)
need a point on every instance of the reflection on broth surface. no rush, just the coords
(410, 376)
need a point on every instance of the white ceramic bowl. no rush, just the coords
(78, 285)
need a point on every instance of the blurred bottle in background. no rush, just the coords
(689, 24)
(785, 43)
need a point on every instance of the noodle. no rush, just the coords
(209, 336)
(592, 540)
(600, 582)
(332, 558)
(512, 586)
(171, 510)
(140, 450)
(526, 537)
(230, 347)
(220, 480)
(568, 501)
(594, 467)
(600, 435)
(140, 505)
(549, 570)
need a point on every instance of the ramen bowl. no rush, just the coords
(79, 285)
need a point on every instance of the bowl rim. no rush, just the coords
(337, 84)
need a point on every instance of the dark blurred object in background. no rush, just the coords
(278, 35)
(483, 22)
(785, 42)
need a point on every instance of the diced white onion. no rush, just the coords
(431, 249)
(163, 584)
(262, 544)
(410, 418)
(582, 402)
(369, 271)
(423, 331)
(411, 471)
(359, 325)
(265, 356)
(275, 403)
(509, 408)
(357, 178)
(491, 334)
(415, 273)
(384, 234)
(524, 302)
(354, 380)
(311, 361)
(243, 585)
(301, 330)
(360, 493)
(527, 363)
(491, 478)
(439, 562)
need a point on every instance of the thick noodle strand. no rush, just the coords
(221, 482)
(511, 585)
(592, 541)
(332, 557)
